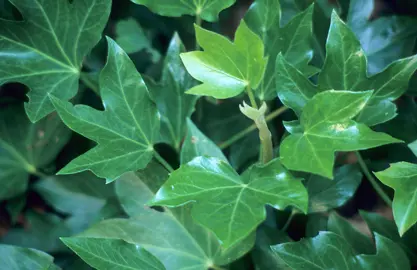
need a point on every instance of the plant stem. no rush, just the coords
(246, 131)
(39, 174)
(251, 97)
(163, 162)
(288, 222)
(215, 267)
(198, 22)
(373, 181)
(89, 83)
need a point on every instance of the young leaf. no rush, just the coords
(207, 9)
(225, 68)
(45, 51)
(345, 69)
(131, 38)
(230, 205)
(26, 147)
(124, 131)
(293, 40)
(402, 178)
(18, 258)
(197, 144)
(96, 252)
(384, 39)
(172, 102)
(330, 251)
(324, 195)
(328, 127)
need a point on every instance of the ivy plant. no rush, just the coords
(207, 135)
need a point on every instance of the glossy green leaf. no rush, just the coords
(389, 254)
(294, 90)
(81, 193)
(324, 195)
(197, 144)
(293, 41)
(225, 68)
(325, 251)
(124, 131)
(207, 9)
(345, 69)
(386, 227)
(183, 245)
(359, 242)
(112, 254)
(328, 127)
(26, 147)
(18, 258)
(330, 251)
(402, 177)
(169, 94)
(239, 201)
(131, 38)
(46, 50)
(384, 39)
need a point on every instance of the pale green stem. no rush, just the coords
(163, 162)
(373, 181)
(198, 21)
(241, 134)
(251, 97)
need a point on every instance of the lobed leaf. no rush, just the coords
(207, 9)
(402, 177)
(239, 201)
(124, 131)
(225, 68)
(292, 40)
(45, 51)
(327, 127)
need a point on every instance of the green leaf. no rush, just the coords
(295, 90)
(384, 39)
(197, 144)
(207, 9)
(328, 127)
(96, 252)
(18, 258)
(124, 131)
(330, 251)
(293, 41)
(389, 255)
(359, 242)
(402, 178)
(46, 50)
(131, 38)
(381, 225)
(325, 251)
(172, 102)
(42, 231)
(225, 68)
(345, 69)
(198, 247)
(239, 201)
(324, 195)
(81, 193)
(26, 147)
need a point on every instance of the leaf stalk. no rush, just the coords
(163, 162)
(372, 180)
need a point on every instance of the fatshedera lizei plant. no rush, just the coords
(216, 207)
